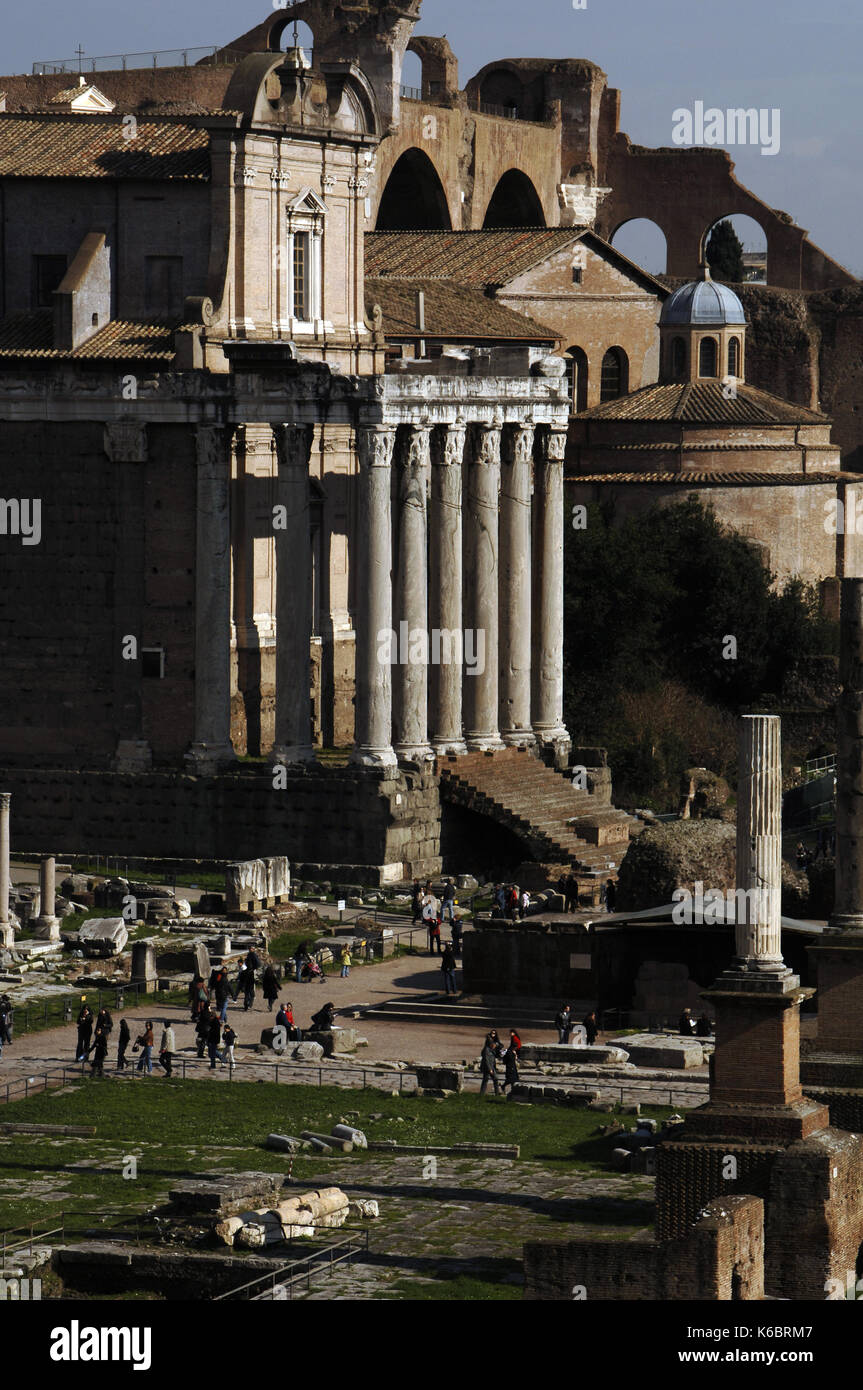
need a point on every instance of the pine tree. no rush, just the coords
(725, 253)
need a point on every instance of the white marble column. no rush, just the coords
(7, 933)
(548, 591)
(374, 600)
(212, 743)
(293, 732)
(516, 480)
(46, 925)
(445, 593)
(410, 696)
(758, 935)
(481, 579)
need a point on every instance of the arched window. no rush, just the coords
(734, 357)
(678, 359)
(707, 357)
(615, 375)
(514, 203)
(576, 376)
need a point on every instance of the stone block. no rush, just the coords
(307, 1052)
(365, 1209)
(568, 1055)
(658, 1050)
(195, 961)
(340, 1040)
(103, 936)
(250, 883)
(440, 1078)
(621, 1160)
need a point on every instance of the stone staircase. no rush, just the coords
(558, 823)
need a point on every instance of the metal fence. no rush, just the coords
(280, 1283)
(119, 62)
(62, 1008)
(14, 1238)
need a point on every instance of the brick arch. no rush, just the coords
(514, 202)
(726, 217)
(413, 197)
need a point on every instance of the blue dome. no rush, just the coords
(702, 302)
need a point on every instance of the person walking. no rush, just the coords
(610, 894)
(434, 935)
(214, 1036)
(251, 964)
(524, 904)
(167, 1047)
(447, 965)
(5, 1022)
(229, 1038)
(487, 1066)
(202, 1028)
(100, 1052)
(510, 1066)
(145, 1042)
(416, 903)
(431, 917)
(221, 989)
(455, 932)
(591, 1028)
(104, 1021)
(200, 998)
(301, 955)
(124, 1037)
(345, 961)
(85, 1029)
(448, 908)
(563, 1024)
(570, 893)
(270, 986)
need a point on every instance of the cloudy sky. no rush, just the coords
(800, 57)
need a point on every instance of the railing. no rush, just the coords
(33, 1234)
(119, 62)
(61, 1007)
(488, 108)
(411, 93)
(279, 1284)
(816, 767)
(283, 1073)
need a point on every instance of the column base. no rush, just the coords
(47, 928)
(133, 755)
(7, 935)
(485, 743)
(449, 747)
(556, 740)
(293, 755)
(519, 738)
(383, 758)
(205, 759)
(414, 752)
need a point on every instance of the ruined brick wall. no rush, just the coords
(621, 1270)
(690, 1175)
(815, 1215)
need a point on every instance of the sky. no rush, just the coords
(801, 58)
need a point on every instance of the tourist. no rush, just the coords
(345, 961)
(447, 965)
(221, 990)
(322, 1021)
(448, 909)
(145, 1041)
(510, 1067)
(293, 1031)
(500, 898)
(270, 986)
(610, 894)
(249, 983)
(229, 1038)
(591, 1028)
(487, 1065)
(563, 1024)
(524, 905)
(99, 1050)
(5, 1022)
(687, 1024)
(104, 1021)
(202, 1028)
(167, 1047)
(214, 1037)
(704, 1027)
(123, 1040)
(434, 936)
(85, 1029)
(301, 955)
(416, 902)
(570, 893)
(455, 933)
(200, 997)
(514, 1041)
(801, 855)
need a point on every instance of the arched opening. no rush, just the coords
(414, 199)
(292, 33)
(412, 77)
(644, 242)
(614, 381)
(677, 365)
(502, 94)
(514, 203)
(707, 357)
(576, 377)
(736, 250)
(734, 357)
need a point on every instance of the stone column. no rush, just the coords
(7, 933)
(515, 580)
(758, 936)
(293, 732)
(482, 498)
(445, 597)
(374, 599)
(46, 924)
(410, 719)
(212, 744)
(848, 907)
(548, 593)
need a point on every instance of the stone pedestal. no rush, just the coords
(143, 963)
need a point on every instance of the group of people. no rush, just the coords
(568, 888)
(494, 1050)
(509, 902)
(564, 1022)
(690, 1029)
(219, 989)
(825, 846)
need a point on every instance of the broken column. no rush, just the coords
(758, 933)
(7, 932)
(46, 926)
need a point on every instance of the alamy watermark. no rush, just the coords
(21, 516)
(416, 646)
(736, 125)
(717, 905)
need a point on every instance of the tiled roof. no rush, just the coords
(31, 336)
(472, 258)
(452, 312)
(93, 148)
(703, 403)
(740, 479)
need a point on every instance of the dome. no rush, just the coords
(700, 303)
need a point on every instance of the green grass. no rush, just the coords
(463, 1289)
(32, 1017)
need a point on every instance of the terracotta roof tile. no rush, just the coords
(472, 258)
(703, 403)
(31, 336)
(83, 147)
(452, 312)
(740, 479)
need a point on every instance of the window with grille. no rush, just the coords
(614, 378)
(302, 268)
(734, 357)
(707, 357)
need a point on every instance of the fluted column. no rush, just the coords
(548, 591)
(212, 743)
(293, 732)
(7, 934)
(410, 721)
(46, 924)
(515, 581)
(481, 550)
(445, 596)
(848, 909)
(374, 600)
(758, 935)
